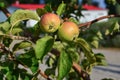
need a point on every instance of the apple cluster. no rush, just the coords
(66, 31)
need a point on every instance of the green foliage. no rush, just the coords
(23, 49)
(43, 46)
(40, 11)
(21, 15)
(110, 2)
(4, 27)
(2, 4)
(22, 45)
(64, 8)
(102, 34)
(61, 9)
(86, 49)
(65, 64)
(114, 28)
(100, 59)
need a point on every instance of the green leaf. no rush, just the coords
(113, 28)
(9, 75)
(35, 65)
(3, 69)
(61, 9)
(50, 71)
(22, 45)
(65, 64)
(36, 30)
(7, 42)
(40, 11)
(86, 49)
(86, 65)
(74, 20)
(4, 27)
(2, 5)
(16, 30)
(100, 59)
(95, 43)
(20, 15)
(28, 58)
(43, 46)
(99, 35)
(73, 54)
(48, 8)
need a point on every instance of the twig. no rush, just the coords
(17, 37)
(43, 74)
(5, 11)
(98, 19)
(78, 69)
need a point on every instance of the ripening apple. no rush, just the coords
(49, 22)
(68, 31)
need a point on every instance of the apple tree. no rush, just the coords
(53, 41)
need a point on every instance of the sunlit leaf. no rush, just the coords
(16, 30)
(22, 45)
(55, 46)
(4, 27)
(95, 43)
(61, 9)
(86, 49)
(65, 64)
(20, 15)
(73, 54)
(9, 75)
(113, 28)
(43, 46)
(100, 59)
(74, 20)
(99, 35)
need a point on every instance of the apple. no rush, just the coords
(68, 31)
(49, 22)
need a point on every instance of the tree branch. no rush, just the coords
(5, 11)
(43, 75)
(78, 69)
(97, 19)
